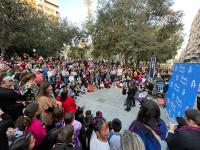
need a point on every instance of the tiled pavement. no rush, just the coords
(111, 103)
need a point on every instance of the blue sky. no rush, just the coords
(75, 11)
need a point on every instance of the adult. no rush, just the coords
(68, 102)
(27, 80)
(132, 89)
(46, 104)
(150, 127)
(131, 141)
(10, 98)
(5, 122)
(187, 136)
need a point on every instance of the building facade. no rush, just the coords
(192, 51)
(48, 7)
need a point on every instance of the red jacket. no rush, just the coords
(68, 105)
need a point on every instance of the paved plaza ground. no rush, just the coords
(111, 103)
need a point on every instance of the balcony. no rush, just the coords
(192, 56)
(197, 51)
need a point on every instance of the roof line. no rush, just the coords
(51, 3)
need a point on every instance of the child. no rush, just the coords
(30, 124)
(83, 89)
(115, 138)
(58, 81)
(120, 85)
(88, 118)
(98, 138)
(70, 120)
(106, 84)
(58, 117)
(110, 130)
(77, 89)
(90, 88)
(117, 84)
(99, 114)
(102, 85)
(64, 140)
(25, 142)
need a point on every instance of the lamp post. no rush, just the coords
(152, 66)
(34, 52)
(65, 50)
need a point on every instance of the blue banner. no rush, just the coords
(183, 88)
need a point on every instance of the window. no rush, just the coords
(49, 10)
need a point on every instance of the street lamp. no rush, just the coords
(65, 50)
(34, 50)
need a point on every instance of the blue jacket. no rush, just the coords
(150, 141)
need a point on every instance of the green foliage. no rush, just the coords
(136, 29)
(76, 52)
(24, 27)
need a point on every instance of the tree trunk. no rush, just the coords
(125, 58)
(2, 52)
(137, 63)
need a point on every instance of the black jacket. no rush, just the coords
(184, 139)
(8, 98)
(4, 125)
(131, 93)
(50, 139)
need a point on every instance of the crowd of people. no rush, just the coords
(38, 110)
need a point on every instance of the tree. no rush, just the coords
(89, 21)
(23, 27)
(136, 29)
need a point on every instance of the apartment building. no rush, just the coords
(192, 51)
(48, 7)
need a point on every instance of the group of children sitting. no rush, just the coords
(81, 89)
